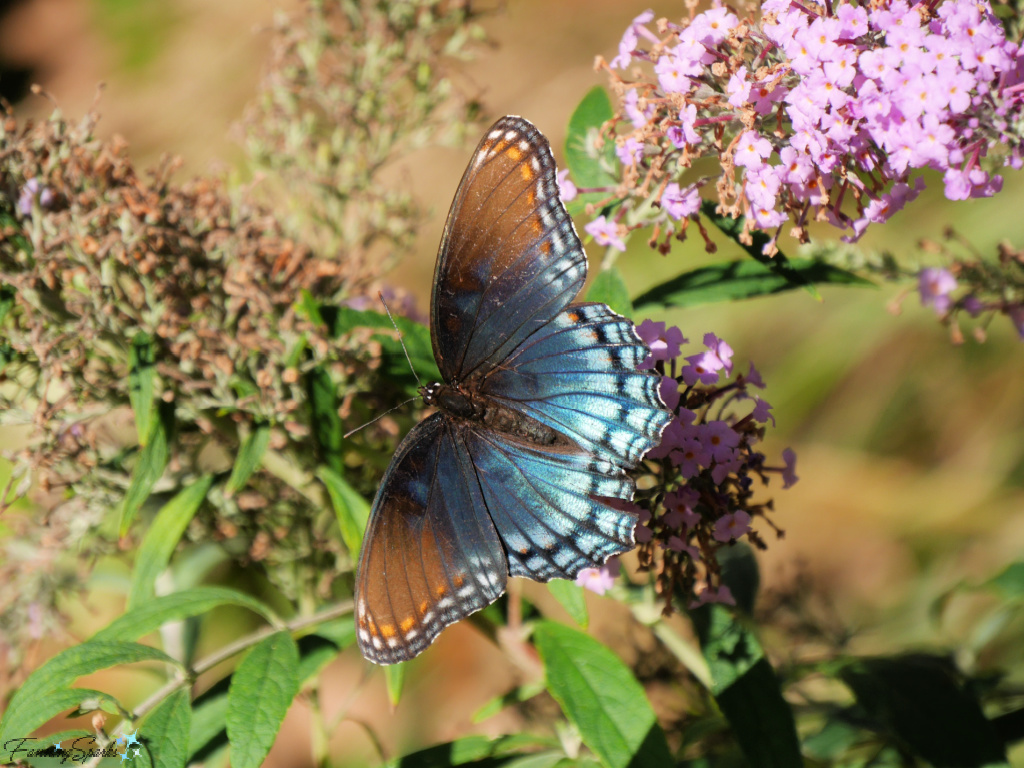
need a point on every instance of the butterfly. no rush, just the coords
(541, 412)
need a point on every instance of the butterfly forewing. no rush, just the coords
(510, 259)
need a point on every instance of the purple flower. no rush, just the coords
(722, 595)
(935, 285)
(630, 40)
(630, 150)
(669, 390)
(1016, 315)
(720, 439)
(688, 118)
(631, 105)
(33, 190)
(674, 73)
(566, 189)
(719, 349)
(754, 377)
(738, 88)
(762, 411)
(689, 457)
(703, 368)
(789, 477)
(676, 544)
(680, 202)
(730, 527)
(751, 150)
(599, 580)
(663, 342)
(606, 233)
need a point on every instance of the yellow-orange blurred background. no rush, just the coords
(911, 449)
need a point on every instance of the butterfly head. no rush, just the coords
(430, 392)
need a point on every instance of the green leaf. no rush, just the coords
(475, 750)
(208, 732)
(733, 280)
(44, 693)
(7, 294)
(141, 383)
(601, 698)
(609, 288)
(572, 598)
(249, 457)
(153, 614)
(590, 166)
(350, 508)
(315, 653)
(740, 574)
(162, 539)
(341, 632)
(262, 689)
(394, 679)
(150, 465)
(924, 702)
(165, 731)
(747, 690)
(327, 426)
(1009, 583)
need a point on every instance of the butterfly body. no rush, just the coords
(541, 413)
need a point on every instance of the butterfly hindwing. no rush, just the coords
(429, 556)
(579, 376)
(548, 505)
(509, 259)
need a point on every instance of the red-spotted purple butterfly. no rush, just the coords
(541, 412)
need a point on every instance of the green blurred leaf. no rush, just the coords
(480, 751)
(609, 288)
(417, 341)
(923, 702)
(327, 426)
(1010, 582)
(733, 280)
(590, 166)
(141, 383)
(315, 653)
(747, 690)
(262, 689)
(250, 454)
(44, 694)
(832, 741)
(154, 613)
(350, 508)
(7, 294)
(600, 696)
(740, 574)
(152, 461)
(162, 538)
(165, 731)
(572, 598)
(394, 679)
(341, 632)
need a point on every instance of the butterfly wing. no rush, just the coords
(431, 554)
(549, 504)
(509, 260)
(579, 376)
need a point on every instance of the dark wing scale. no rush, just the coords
(579, 376)
(545, 505)
(429, 557)
(509, 259)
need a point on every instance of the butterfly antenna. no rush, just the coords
(378, 418)
(380, 295)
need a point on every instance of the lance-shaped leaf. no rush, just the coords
(350, 508)
(141, 383)
(250, 454)
(149, 466)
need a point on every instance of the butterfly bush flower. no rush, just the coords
(699, 493)
(599, 580)
(815, 112)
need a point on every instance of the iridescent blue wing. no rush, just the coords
(431, 554)
(579, 376)
(509, 259)
(549, 505)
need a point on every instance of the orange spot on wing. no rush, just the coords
(423, 606)
(408, 624)
(514, 153)
(525, 170)
(459, 580)
(546, 247)
(440, 589)
(388, 630)
(574, 317)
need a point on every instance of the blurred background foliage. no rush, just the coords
(911, 448)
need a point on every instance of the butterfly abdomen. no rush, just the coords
(474, 407)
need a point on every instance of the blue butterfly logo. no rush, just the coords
(541, 412)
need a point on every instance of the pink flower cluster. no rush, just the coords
(819, 112)
(705, 466)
